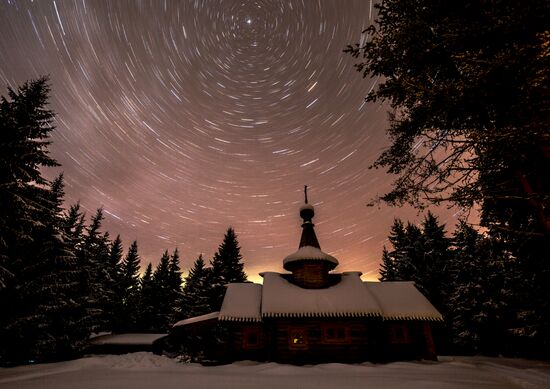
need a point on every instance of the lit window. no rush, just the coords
(297, 338)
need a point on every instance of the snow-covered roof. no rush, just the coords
(309, 253)
(401, 300)
(196, 319)
(242, 302)
(349, 297)
(126, 339)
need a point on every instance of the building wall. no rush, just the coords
(307, 340)
(311, 274)
(318, 340)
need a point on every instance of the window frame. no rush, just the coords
(399, 338)
(335, 339)
(247, 331)
(291, 336)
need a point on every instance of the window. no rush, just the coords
(399, 333)
(297, 338)
(251, 338)
(336, 334)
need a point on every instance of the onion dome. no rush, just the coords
(309, 248)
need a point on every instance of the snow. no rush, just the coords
(310, 253)
(126, 339)
(306, 206)
(347, 298)
(242, 302)
(196, 319)
(401, 300)
(278, 297)
(145, 370)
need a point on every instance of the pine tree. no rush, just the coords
(62, 334)
(458, 132)
(195, 300)
(94, 259)
(392, 262)
(388, 267)
(433, 270)
(419, 255)
(174, 275)
(162, 293)
(39, 319)
(147, 303)
(25, 125)
(114, 305)
(130, 289)
(226, 268)
(481, 295)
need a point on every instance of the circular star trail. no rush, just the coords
(181, 118)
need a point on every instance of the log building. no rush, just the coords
(314, 315)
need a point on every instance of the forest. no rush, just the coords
(62, 278)
(467, 88)
(466, 85)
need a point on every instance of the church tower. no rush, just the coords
(309, 265)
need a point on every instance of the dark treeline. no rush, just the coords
(468, 89)
(63, 279)
(492, 300)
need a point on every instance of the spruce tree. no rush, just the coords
(162, 293)
(114, 307)
(419, 255)
(39, 320)
(62, 334)
(433, 267)
(94, 259)
(130, 288)
(481, 297)
(195, 300)
(25, 125)
(147, 303)
(226, 268)
(393, 261)
(174, 275)
(388, 267)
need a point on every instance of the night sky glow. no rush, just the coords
(182, 118)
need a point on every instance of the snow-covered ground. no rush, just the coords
(145, 370)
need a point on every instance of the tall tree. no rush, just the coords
(25, 125)
(468, 85)
(147, 303)
(130, 288)
(37, 263)
(435, 267)
(226, 268)
(94, 259)
(174, 285)
(469, 95)
(195, 300)
(482, 281)
(114, 303)
(162, 293)
(420, 255)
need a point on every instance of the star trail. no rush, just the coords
(181, 118)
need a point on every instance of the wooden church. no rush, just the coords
(314, 315)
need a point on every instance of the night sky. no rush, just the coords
(181, 118)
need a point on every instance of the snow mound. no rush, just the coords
(135, 361)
